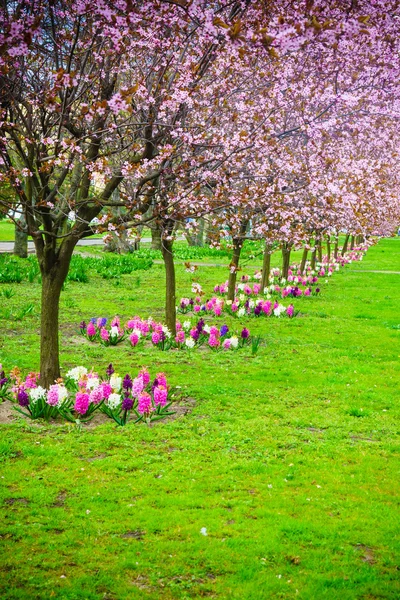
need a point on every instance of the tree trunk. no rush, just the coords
(346, 243)
(21, 239)
(196, 237)
(286, 249)
(155, 237)
(170, 288)
(319, 250)
(304, 260)
(266, 268)
(328, 247)
(237, 248)
(120, 244)
(49, 347)
(352, 242)
(313, 257)
(336, 250)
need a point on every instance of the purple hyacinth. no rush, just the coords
(224, 330)
(127, 403)
(245, 333)
(109, 370)
(82, 325)
(22, 397)
(127, 382)
(317, 290)
(191, 301)
(103, 321)
(93, 320)
(257, 310)
(200, 325)
(195, 334)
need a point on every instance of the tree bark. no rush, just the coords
(155, 237)
(49, 344)
(286, 250)
(120, 244)
(21, 239)
(266, 268)
(196, 238)
(346, 243)
(170, 287)
(352, 239)
(336, 250)
(319, 250)
(304, 259)
(313, 257)
(237, 248)
(328, 247)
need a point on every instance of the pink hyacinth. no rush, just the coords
(160, 395)
(145, 405)
(30, 381)
(137, 386)
(226, 344)
(213, 341)
(307, 292)
(217, 310)
(104, 334)
(290, 310)
(162, 379)
(115, 322)
(145, 375)
(81, 402)
(91, 329)
(197, 308)
(178, 326)
(214, 331)
(256, 288)
(96, 395)
(155, 337)
(106, 390)
(180, 337)
(144, 327)
(134, 339)
(52, 395)
(234, 307)
(267, 307)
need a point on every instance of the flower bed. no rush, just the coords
(84, 392)
(251, 300)
(188, 335)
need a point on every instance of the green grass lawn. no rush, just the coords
(289, 459)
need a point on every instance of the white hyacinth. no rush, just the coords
(77, 373)
(189, 342)
(62, 393)
(36, 393)
(92, 382)
(114, 400)
(234, 340)
(115, 382)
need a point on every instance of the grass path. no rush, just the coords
(288, 459)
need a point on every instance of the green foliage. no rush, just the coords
(110, 266)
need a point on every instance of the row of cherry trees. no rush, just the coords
(149, 113)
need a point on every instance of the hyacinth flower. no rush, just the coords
(5, 392)
(37, 403)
